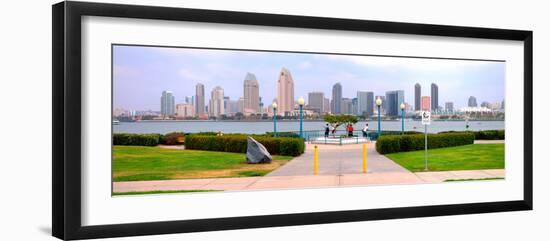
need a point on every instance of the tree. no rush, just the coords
(337, 120)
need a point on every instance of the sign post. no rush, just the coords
(426, 118)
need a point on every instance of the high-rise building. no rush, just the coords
(434, 97)
(167, 103)
(240, 105)
(393, 102)
(354, 109)
(365, 103)
(185, 110)
(337, 98)
(251, 94)
(384, 102)
(417, 96)
(345, 106)
(449, 107)
(226, 101)
(216, 105)
(316, 101)
(285, 93)
(485, 104)
(199, 100)
(472, 102)
(326, 105)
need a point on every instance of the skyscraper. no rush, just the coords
(365, 103)
(449, 106)
(167, 104)
(345, 106)
(472, 102)
(393, 102)
(251, 94)
(326, 105)
(199, 100)
(435, 97)
(417, 95)
(215, 106)
(226, 101)
(384, 103)
(285, 92)
(354, 109)
(337, 98)
(316, 100)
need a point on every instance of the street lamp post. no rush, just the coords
(301, 103)
(274, 105)
(402, 118)
(378, 104)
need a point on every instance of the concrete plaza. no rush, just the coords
(339, 166)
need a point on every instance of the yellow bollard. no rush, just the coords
(364, 158)
(315, 161)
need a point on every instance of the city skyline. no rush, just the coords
(142, 70)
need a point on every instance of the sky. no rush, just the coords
(141, 73)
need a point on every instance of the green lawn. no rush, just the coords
(159, 192)
(468, 157)
(140, 163)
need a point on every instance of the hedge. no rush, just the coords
(402, 143)
(237, 143)
(136, 139)
(490, 135)
(484, 135)
(373, 135)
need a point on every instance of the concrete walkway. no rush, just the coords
(295, 182)
(339, 160)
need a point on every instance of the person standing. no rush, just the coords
(366, 130)
(350, 130)
(327, 130)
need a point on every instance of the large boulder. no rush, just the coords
(256, 152)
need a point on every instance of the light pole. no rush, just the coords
(274, 105)
(378, 104)
(301, 103)
(402, 118)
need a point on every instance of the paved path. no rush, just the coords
(488, 141)
(339, 160)
(310, 181)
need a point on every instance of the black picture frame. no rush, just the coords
(66, 75)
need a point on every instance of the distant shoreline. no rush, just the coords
(271, 120)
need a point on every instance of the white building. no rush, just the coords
(285, 92)
(251, 94)
(186, 110)
(216, 106)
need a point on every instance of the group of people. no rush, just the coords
(349, 129)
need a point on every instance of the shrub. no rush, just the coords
(172, 138)
(483, 135)
(124, 139)
(373, 135)
(489, 135)
(401, 143)
(237, 143)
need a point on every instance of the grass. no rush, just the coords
(159, 192)
(475, 179)
(140, 163)
(468, 157)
